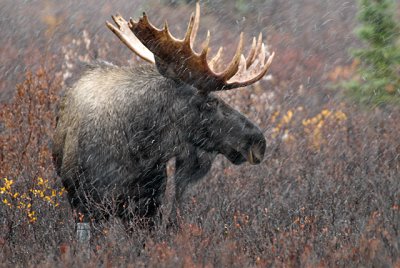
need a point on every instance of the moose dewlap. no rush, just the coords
(119, 126)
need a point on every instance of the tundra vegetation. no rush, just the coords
(326, 193)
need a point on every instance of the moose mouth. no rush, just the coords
(250, 155)
(253, 158)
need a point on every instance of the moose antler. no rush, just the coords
(124, 33)
(176, 58)
(129, 39)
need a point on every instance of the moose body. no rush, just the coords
(119, 126)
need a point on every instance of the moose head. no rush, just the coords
(230, 132)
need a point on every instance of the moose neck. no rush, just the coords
(166, 106)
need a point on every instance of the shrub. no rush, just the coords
(326, 195)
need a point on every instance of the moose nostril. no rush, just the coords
(257, 155)
(258, 151)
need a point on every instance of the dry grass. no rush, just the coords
(327, 193)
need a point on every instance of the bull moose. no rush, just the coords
(119, 126)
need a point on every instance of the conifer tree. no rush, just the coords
(378, 79)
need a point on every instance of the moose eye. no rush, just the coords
(211, 104)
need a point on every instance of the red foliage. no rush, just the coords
(326, 197)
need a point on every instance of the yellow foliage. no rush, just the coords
(42, 190)
(315, 128)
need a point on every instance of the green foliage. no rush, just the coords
(378, 79)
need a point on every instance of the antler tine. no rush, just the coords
(129, 39)
(242, 66)
(262, 55)
(257, 50)
(205, 50)
(195, 25)
(215, 61)
(234, 83)
(188, 36)
(233, 66)
(250, 57)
